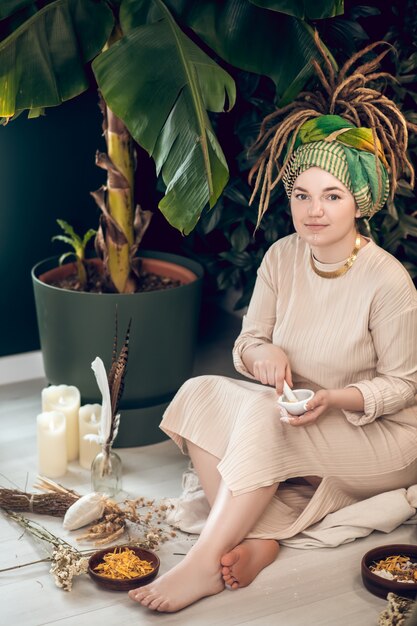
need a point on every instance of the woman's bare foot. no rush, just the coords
(186, 583)
(242, 564)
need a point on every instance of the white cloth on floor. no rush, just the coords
(191, 509)
(383, 512)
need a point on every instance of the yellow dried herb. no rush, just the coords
(123, 564)
(397, 567)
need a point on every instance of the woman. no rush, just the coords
(331, 311)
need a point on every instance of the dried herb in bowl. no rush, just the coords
(123, 564)
(396, 567)
(120, 571)
(379, 580)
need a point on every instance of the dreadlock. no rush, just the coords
(349, 95)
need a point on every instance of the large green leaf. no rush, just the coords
(161, 85)
(250, 37)
(43, 62)
(305, 9)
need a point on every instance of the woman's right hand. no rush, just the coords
(269, 364)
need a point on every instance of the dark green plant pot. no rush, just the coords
(76, 327)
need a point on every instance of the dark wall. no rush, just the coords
(47, 170)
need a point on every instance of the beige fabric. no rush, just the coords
(384, 512)
(359, 329)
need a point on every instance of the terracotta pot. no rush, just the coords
(75, 327)
(156, 266)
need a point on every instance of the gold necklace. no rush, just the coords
(341, 270)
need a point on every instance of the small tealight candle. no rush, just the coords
(65, 399)
(89, 422)
(52, 444)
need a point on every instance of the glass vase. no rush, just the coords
(106, 473)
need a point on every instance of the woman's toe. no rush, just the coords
(136, 595)
(164, 606)
(146, 600)
(228, 579)
(154, 604)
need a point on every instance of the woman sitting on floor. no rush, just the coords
(332, 312)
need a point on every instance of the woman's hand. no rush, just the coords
(349, 399)
(318, 404)
(269, 364)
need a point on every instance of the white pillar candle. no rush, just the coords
(52, 444)
(89, 422)
(65, 399)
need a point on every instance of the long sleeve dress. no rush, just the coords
(359, 329)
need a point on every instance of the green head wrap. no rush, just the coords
(345, 151)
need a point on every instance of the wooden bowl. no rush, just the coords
(382, 586)
(123, 584)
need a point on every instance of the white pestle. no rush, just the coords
(289, 393)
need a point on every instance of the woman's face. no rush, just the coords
(323, 209)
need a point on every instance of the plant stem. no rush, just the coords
(36, 530)
(120, 199)
(8, 569)
(82, 274)
(48, 559)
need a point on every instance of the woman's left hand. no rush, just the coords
(347, 399)
(318, 404)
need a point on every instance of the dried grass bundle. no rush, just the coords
(55, 504)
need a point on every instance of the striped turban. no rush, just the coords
(345, 151)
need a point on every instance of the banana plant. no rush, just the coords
(160, 69)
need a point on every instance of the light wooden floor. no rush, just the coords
(303, 587)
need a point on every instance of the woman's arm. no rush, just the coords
(254, 354)
(258, 323)
(394, 387)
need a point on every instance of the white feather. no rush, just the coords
(101, 377)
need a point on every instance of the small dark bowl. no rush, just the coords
(123, 584)
(382, 586)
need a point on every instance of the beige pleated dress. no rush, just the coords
(358, 329)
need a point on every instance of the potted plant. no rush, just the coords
(157, 85)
